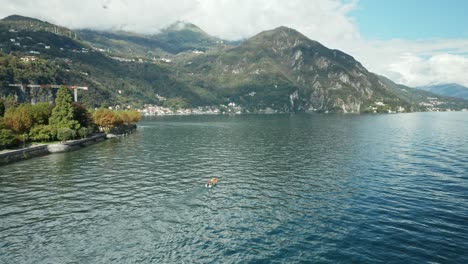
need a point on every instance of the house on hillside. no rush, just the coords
(28, 58)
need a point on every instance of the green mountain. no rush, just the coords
(450, 89)
(60, 59)
(284, 70)
(280, 69)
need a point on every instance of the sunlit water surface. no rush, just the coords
(293, 188)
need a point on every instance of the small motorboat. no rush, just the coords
(212, 182)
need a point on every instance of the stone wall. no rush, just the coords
(23, 154)
(11, 156)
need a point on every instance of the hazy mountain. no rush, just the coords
(177, 38)
(22, 23)
(424, 100)
(451, 89)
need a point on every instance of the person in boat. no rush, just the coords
(212, 182)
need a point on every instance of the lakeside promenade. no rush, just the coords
(10, 156)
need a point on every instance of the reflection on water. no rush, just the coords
(320, 188)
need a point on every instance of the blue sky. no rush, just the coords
(412, 19)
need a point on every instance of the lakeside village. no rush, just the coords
(433, 105)
(155, 110)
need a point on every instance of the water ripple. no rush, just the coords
(300, 188)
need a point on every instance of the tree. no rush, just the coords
(62, 114)
(105, 119)
(19, 119)
(7, 138)
(10, 101)
(81, 114)
(41, 113)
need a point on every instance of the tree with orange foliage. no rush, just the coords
(107, 119)
(19, 119)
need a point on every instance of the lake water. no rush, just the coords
(292, 188)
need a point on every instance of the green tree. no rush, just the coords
(81, 114)
(62, 114)
(19, 119)
(7, 138)
(41, 113)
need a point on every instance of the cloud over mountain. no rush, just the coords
(327, 21)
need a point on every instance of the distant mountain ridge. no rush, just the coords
(17, 22)
(278, 69)
(451, 89)
(178, 37)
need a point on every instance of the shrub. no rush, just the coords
(7, 138)
(43, 133)
(65, 133)
(83, 132)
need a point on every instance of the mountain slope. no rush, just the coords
(424, 100)
(20, 23)
(284, 70)
(59, 59)
(451, 89)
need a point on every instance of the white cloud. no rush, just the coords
(327, 21)
(145, 16)
(323, 20)
(438, 69)
(415, 63)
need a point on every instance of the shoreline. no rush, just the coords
(15, 155)
(281, 113)
(161, 111)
